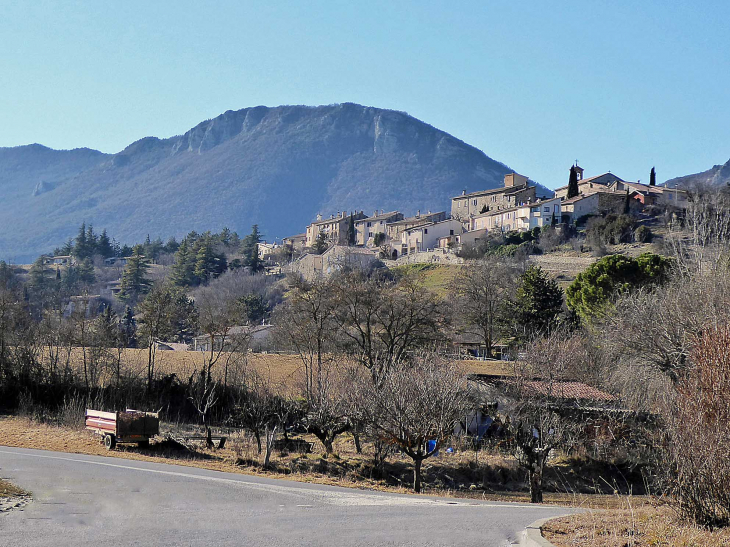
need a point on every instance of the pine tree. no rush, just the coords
(183, 270)
(104, 245)
(250, 250)
(538, 303)
(320, 244)
(37, 275)
(652, 177)
(134, 280)
(204, 262)
(171, 246)
(91, 241)
(85, 272)
(67, 249)
(351, 234)
(81, 249)
(573, 189)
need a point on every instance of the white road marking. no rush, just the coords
(355, 498)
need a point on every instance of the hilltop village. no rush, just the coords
(471, 220)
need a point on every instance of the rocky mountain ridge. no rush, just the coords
(274, 166)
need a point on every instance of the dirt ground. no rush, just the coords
(644, 525)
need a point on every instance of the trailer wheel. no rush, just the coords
(143, 444)
(110, 441)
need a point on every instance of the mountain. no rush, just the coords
(277, 167)
(719, 174)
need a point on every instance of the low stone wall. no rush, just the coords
(437, 256)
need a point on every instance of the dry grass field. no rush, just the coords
(632, 525)
(284, 371)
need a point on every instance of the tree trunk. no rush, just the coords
(270, 436)
(358, 446)
(417, 474)
(535, 477)
(257, 434)
(327, 442)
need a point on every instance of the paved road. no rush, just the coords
(91, 500)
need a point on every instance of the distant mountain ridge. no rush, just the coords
(718, 175)
(274, 166)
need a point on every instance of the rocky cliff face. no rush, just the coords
(277, 167)
(718, 175)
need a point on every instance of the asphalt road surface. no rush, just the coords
(90, 500)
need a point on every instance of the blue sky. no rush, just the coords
(619, 85)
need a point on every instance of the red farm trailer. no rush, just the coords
(131, 426)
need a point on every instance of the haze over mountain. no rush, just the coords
(277, 167)
(719, 174)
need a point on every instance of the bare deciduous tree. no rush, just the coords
(481, 289)
(306, 323)
(415, 402)
(380, 320)
(699, 432)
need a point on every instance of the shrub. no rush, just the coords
(699, 434)
(594, 288)
(643, 234)
(513, 238)
(610, 230)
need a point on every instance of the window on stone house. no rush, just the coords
(547, 209)
(451, 232)
(425, 230)
(474, 202)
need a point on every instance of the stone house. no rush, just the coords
(589, 185)
(652, 195)
(516, 190)
(367, 228)
(595, 203)
(334, 227)
(237, 338)
(311, 265)
(425, 237)
(296, 242)
(394, 230)
(520, 218)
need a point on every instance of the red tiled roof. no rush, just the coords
(568, 390)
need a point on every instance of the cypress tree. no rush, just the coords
(573, 190)
(627, 203)
(351, 235)
(652, 177)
